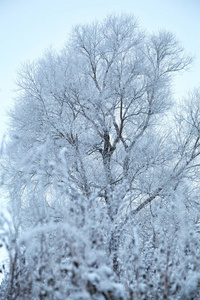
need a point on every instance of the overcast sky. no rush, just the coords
(28, 27)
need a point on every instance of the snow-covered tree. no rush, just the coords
(103, 192)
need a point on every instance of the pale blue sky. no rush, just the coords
(28, 27)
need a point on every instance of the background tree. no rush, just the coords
(96, 177)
